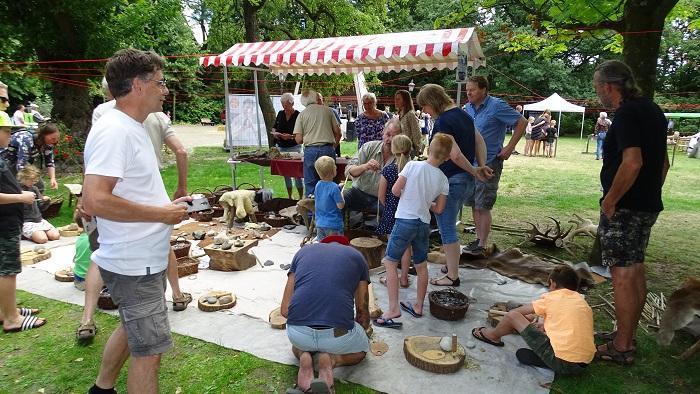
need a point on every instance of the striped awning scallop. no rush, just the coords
(416, 50)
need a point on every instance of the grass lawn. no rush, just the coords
(531, 190)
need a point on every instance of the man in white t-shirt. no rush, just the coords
(422, 187)
(124, 190)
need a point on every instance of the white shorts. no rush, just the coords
(28, 228)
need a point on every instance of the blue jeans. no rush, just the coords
(461, 191)
(308, 339)
(409, 232)
(298, 182)
(599, 147)
(311, 153)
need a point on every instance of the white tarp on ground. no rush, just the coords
(259, 290)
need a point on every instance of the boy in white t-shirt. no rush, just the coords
(422, 187)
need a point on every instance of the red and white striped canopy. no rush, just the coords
(416, 50)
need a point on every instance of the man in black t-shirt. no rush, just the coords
(634, 169)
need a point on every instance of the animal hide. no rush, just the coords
(683, 305)
(526, 267)
(238, 201)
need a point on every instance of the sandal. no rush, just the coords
(26, 312)
(180, 304)
(614, 355)
(478, 334)
(28, 323)
(382, 280)
(607, 336)
(86, 332)
(453, 282)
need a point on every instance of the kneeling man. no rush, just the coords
(325, 282)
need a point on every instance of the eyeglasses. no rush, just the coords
(4, 99)
(160, 82)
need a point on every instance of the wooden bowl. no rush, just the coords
(204, 306)
(64, 275)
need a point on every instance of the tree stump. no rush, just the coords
(425, 353)
(375, 311)
(277, 321)
(371, 248)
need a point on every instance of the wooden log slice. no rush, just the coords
(378, 348)
(276, 319)
(31, 257)
(493, 317)
(371, 248)
(375, 311)
(425, 353)
(66, 275)
(204, 306)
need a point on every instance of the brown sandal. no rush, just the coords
(614, 355)
(86, 332)
(180, 304)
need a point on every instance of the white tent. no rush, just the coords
(555, 103)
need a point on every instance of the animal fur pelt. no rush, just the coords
(683, 305)
(526, 267)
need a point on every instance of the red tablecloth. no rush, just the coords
(295, 168)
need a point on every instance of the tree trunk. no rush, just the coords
(644, 22)
(73, 106)
(250, 20)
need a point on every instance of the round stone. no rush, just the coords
(212, 300)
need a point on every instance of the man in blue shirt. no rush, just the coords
(492, 116)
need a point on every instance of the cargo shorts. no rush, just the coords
(485, 193)
(142, 309)
(624, 237)
(10, 263)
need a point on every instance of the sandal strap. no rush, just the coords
(28, 322)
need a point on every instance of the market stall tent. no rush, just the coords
(555, 103)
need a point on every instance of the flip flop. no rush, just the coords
(408, 307)
(319, 386)
(382, 280)
(388, 323)
(28, 323)
(476, 333)
(453, 282)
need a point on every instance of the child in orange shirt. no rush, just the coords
(566, 345)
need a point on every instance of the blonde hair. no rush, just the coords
(325, 167)
(440, 147)
(434, 96)
(28, 173)
(401, 147)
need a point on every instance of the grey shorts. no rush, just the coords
(485, 193)
(624, 238)
(10, 263)
(142, 310)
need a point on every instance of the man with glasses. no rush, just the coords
(123, 189)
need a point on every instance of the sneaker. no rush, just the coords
(471, 246)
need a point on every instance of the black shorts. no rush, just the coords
(10, 262)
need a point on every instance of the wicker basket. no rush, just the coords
(204, 216)
(54, 208)
(105, 301)
(187, 266)
(207, 193)
(217, 211)
(277, 204)
(448, 304)
(181, 247)
(219, 191)
(277, 221)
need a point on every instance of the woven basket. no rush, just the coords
(219, 191)
(277, 221)
(207, 193)
(277, 204)
(181, 247)
(53, 209)
(105, 301)
(217, 211)
(204, 216)
(187, 266)
(247, 186)
(448, 304)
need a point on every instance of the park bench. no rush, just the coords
(206, 122)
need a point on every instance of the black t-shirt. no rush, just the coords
(459, 125)
(11, 215)
(637, 123)
(284, 126)
(551, 133)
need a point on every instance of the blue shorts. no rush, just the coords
(461, 191)
(408, 232)
(309, 339)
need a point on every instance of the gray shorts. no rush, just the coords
(142, 310)
(485, 193)
(624, 238)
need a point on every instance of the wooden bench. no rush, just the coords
(206, 122)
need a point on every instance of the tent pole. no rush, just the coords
(227, 126)
(257, 120)
(583, 116)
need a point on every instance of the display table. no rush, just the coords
(295, 168)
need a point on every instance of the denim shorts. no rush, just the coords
(309, 339)
(408, 232)
(461, 191)
(624, 238)
(142, 310)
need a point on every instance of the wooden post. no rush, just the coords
(371, 248)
